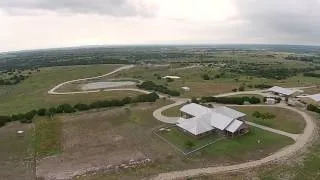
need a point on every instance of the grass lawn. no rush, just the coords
(285, 120)
(47, 136)
(16, 152)
(172, 112)
(179, 139)
(248, 145)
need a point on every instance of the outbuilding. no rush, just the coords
(286, 92)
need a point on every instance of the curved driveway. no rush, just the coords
(53, 90)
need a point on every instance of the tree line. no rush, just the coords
(231, 100)
(149, 85)
(311, 74)
(68, 108)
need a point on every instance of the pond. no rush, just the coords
(106, 84)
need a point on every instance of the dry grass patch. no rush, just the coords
(16, 152)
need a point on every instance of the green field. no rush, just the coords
(285, 120)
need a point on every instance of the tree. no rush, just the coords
(234, 90)
(194, 100)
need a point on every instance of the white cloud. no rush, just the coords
(49, 24)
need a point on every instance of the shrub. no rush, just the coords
(81, 107)
(205, 77)
(65, 108)
(231, 100)
(4, 120)
(149, 85)
(42, 112)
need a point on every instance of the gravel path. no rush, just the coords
(53, 90)
(289, 151)
(170, 120)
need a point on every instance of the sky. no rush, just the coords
(34, 24)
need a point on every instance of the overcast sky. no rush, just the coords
(31, 24)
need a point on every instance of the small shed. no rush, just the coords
(185, 88)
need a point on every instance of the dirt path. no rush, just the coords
(301, 142)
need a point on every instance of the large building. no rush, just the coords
(311, 99)
(199, 120)
(286, 92)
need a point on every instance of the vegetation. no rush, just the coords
(231, 100)
(149, 85)
(311, 74)
(313, 108)
(67, 108)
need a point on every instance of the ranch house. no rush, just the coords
(199, 120)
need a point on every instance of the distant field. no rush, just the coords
(32, 93)
(285, 120)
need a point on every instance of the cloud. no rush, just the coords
(102, 7)
(290, 20)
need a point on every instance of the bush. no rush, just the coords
(234, 90)
(169, 80)
(205, 77)
(189, 144)
(313, 108)
(241, 88)
(149, 85)
(81, 107)
(231, 100)
(65, 108)
(42, 112)
(4, 120)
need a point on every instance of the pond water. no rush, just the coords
(108, 84)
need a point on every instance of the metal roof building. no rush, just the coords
(205, 119)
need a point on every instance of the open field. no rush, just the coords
(220, 152)
(285, 120)
(16, 152)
